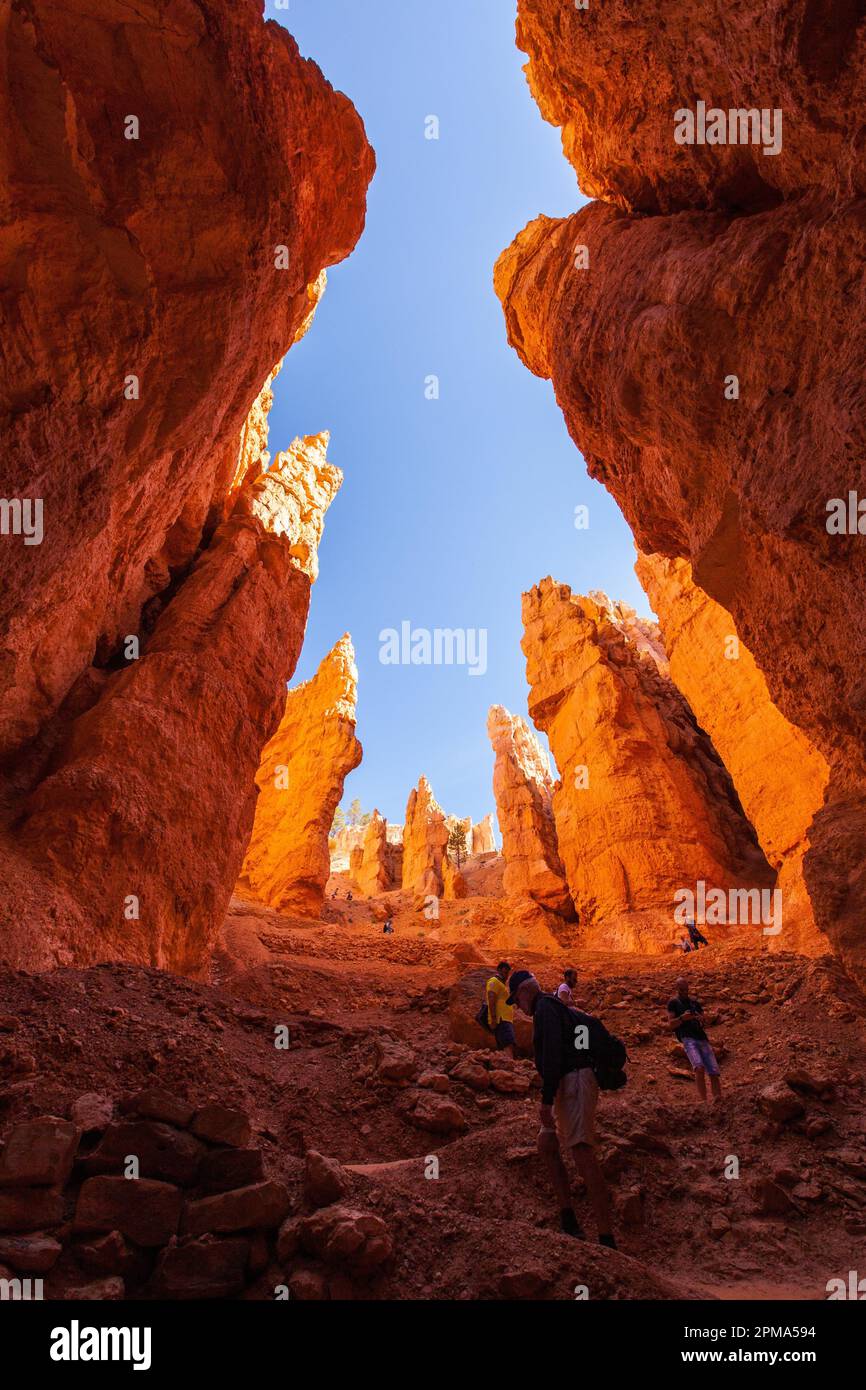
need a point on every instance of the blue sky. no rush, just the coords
(450, 508)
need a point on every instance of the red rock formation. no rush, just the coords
(644, 807)
(300, 783)
(483, 836)
(746, 267)
(154, 257)
(425, 837)
(454, 883)
(158, 177)
(377, 864)
(136, 806)
(779, 777)
(523, 788)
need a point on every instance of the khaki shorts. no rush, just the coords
(574, 1108)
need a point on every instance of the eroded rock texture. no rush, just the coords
(300, 783)
(708, 263)
(377, 864)
(643, 807)
(130, 846)
(779, 777)
(174, 184)
(523, 788)
(425, 837)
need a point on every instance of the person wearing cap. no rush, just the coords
(500, 1010)
(569, 1095)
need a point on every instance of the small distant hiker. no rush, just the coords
(348, 897)
(695, 936)
(685, 1020)
(569, 1095)
(499, 1009)
(565, 991)
(388, 928)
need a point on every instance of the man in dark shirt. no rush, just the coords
(685, 1020)
(562, 1038)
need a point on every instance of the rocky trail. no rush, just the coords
(376, 1081)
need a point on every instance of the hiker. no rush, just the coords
(388, 928)
(685, 1021)
(500, 1011)
(348, 897)
(695, 936)
(565, 991)
(685, 945)
(569, 1090)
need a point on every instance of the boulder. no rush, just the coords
(260, 1207)
(347, 1237)
(38, 1153)
(145, 1211)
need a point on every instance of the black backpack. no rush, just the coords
(607, 1059)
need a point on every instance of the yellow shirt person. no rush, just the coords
(504, 1012)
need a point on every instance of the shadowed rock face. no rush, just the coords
(300, 783)
(779, 777)
(644, 807)
(523, 788)
(747, 266)
(151, 794)
(149, 284)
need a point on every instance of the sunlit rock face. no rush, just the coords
(644, 807)
(377, 866)
(136, 836)
(523, 788)
(425, 837)
(300, 782)
(173, 187)
(779, 776)
(699, 329)
(484, 836)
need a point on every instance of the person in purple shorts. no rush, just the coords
(685, 1021)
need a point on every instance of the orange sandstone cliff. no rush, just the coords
(701, 331)
(425, 837)
(300, 783)
(523, 788)
(644, 807)
(172, 189)
(377, 862)
(483, 836)
(779, 777)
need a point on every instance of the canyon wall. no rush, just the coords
(425, 838)
(701, 331)
(779, 777)
(172, 191)
(523, 788)
(300, 782)
(644, 807)
(130, 846)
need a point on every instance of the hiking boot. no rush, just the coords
(569, 1225)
